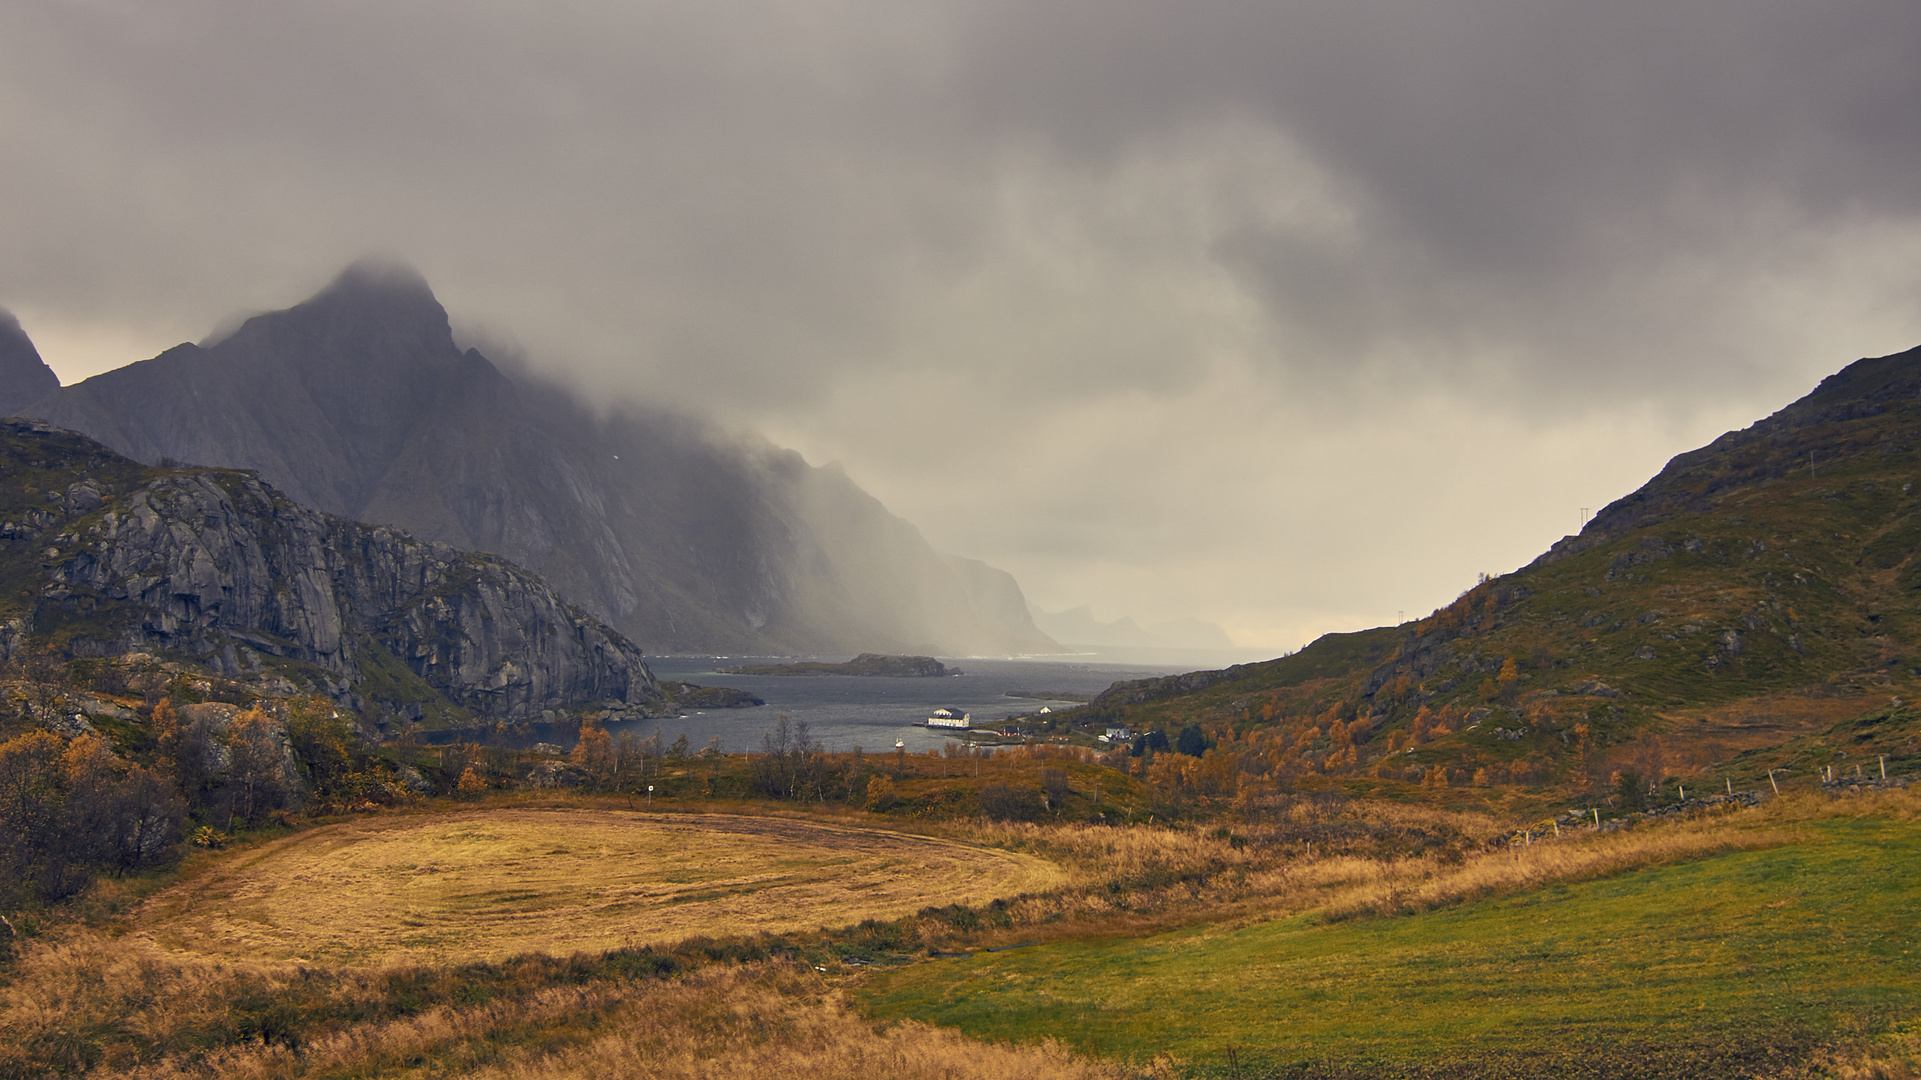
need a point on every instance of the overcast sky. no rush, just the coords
(1291, 317)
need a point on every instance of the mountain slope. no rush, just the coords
(1758, 589)
(24, 377)
(100, 555)
(359, 403)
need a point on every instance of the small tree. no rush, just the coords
(1632, 789)
(470, 783)
(257, 769)
(30, 805)
(148, 815)
(594, 753)
(790, 764)
(1054, 783)
(1192, 741)
(1508, 682)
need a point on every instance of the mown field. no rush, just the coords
(1741, 963)
(512, 941)
(488, 884)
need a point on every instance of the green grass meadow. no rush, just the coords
(1733, 965)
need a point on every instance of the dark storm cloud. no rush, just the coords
(1264, 255)
(1512, 160)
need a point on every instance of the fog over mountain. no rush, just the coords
(1078, 626)
(1285, 317)
(359, 403)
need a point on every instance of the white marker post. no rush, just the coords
(1730, 785)
(1772, 784)
(1884, 766)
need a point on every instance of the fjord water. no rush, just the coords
(845, 711)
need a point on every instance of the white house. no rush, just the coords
(949, 718)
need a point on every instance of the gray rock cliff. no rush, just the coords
(101, 555)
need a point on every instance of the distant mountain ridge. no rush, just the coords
(359, 403)
(1078, 626)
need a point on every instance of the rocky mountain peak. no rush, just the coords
(24, 377)
(1863, 388)
(357, 402)
(1794, 440)
(374, 314)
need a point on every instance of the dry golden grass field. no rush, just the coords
(488, 884)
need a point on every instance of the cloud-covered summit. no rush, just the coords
(359, 403)
(24, 377)
(1379, 294)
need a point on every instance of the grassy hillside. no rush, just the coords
(1760, 589)
(1735, 963)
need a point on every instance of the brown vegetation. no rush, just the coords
(495, 883)
(1336, 861)
(189, 1018)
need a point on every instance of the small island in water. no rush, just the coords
(874, 664)
(688, 695)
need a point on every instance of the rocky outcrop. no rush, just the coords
(1142, 691)
(219, 566)
(1795, 441)
(359, 403)
(688, 695)
(13, 637)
